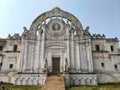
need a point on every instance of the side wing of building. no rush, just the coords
(106, 58)
(9, 56)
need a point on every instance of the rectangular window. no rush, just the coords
(1, 48)
(11, 66)
(0, 64)
(97, 47)
(112, 49)
(102, 64)
(15, 48)
(116, 66)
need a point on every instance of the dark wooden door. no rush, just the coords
(56, 65)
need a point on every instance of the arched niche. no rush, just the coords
(29, 81)
(23, 81)
(17, 81)
(34, 81)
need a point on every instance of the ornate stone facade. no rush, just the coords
(57, 43)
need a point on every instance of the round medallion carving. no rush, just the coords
(56, 27)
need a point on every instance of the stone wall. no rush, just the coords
(80, 79)
(30, 79)
(108, 78)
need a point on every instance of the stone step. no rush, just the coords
(54, 82)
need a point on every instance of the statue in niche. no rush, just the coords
(45, 66)
(66, 65)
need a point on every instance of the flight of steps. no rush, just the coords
(54, 82)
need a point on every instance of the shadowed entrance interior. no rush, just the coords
(56, 64)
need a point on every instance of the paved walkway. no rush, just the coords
(54, 82)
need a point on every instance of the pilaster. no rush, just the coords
(68, 47)
(72, 49)
(78, 64)
(43, 47)
(39, 50)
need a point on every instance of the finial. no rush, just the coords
(56, 8)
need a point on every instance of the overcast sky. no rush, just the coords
(102, 16)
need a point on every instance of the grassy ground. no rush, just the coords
(17, 87)
(99, 87)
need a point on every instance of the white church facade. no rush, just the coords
(57, 43)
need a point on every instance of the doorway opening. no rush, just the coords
(55, 65)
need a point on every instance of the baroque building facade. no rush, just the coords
(57, 43)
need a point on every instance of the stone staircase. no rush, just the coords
(54, 82)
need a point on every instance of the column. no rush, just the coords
(84, 57)
(68, 47)
(72, 49)
(22, 56)
(90, 58)
(29, 57)
(43, 47)
(25, 53)
(38, 51)
(78, 57)
(61, 61)
(49, 61)
(87, 56)
(32, 57)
